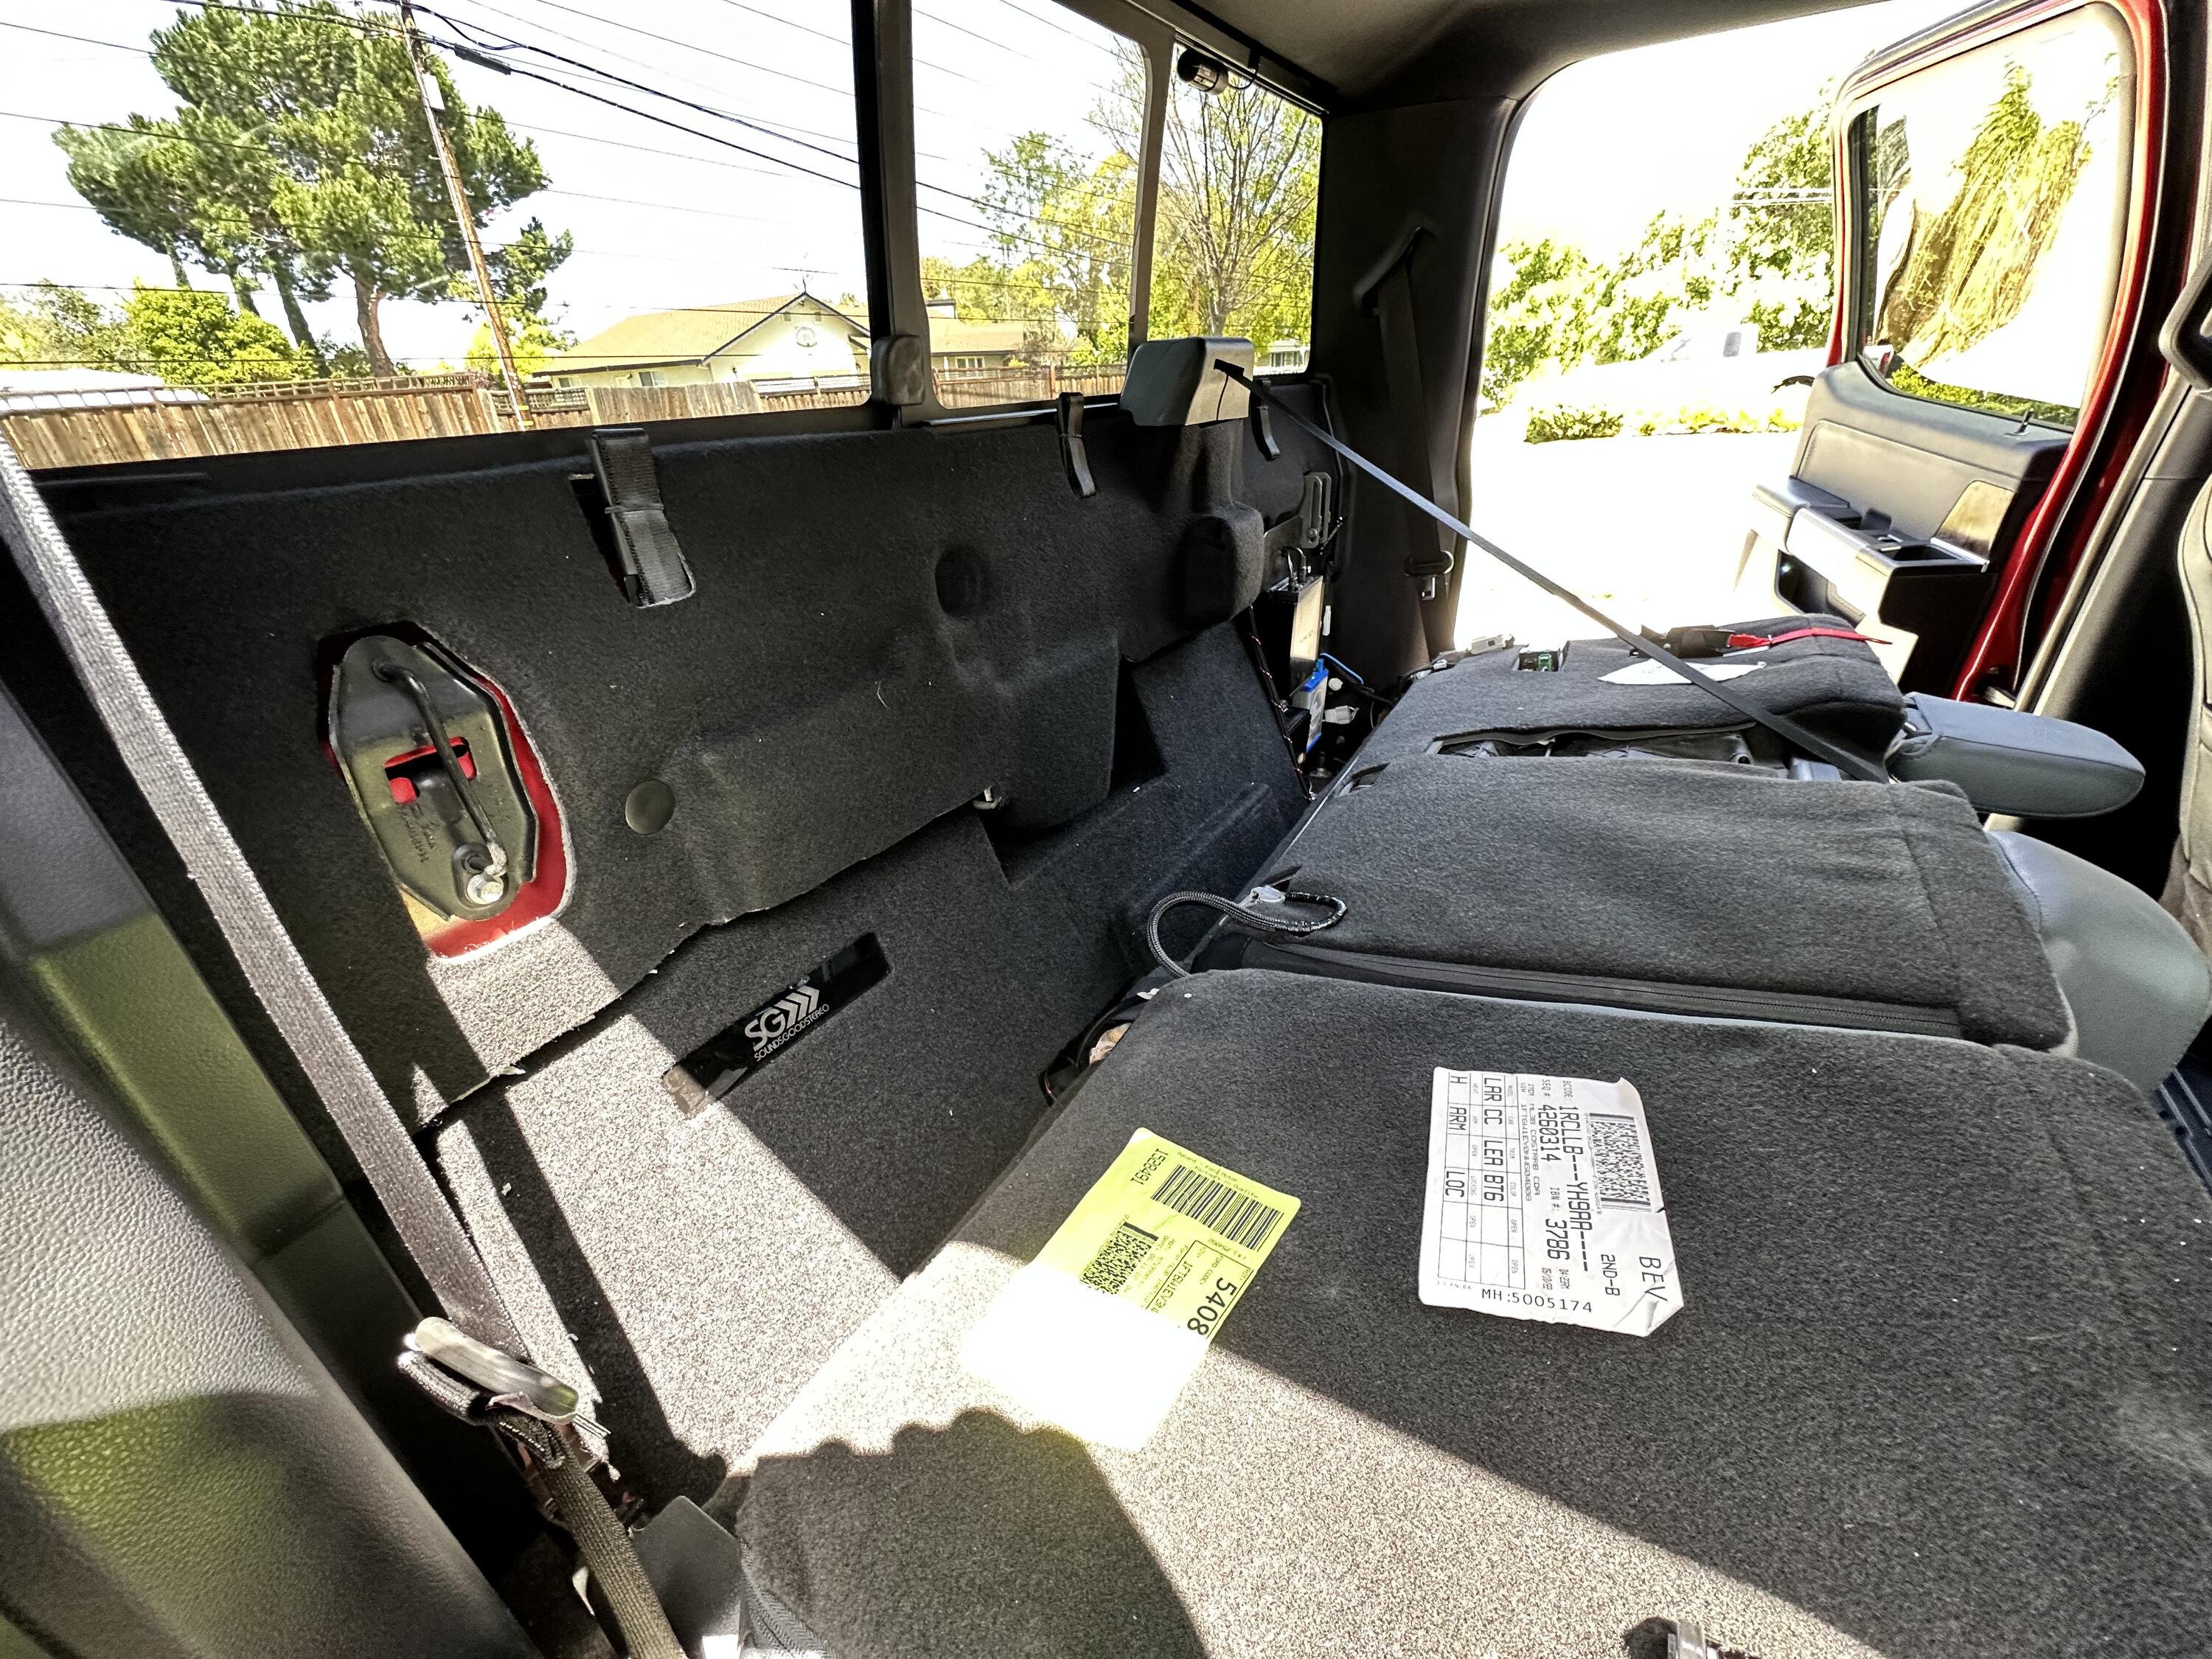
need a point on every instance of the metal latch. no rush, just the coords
(426, 754)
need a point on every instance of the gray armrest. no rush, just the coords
(2008, 761)
(2138, 986)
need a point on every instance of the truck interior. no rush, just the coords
(555, 984)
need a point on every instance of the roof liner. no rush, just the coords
(1395, 51)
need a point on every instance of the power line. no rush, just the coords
(81, 39)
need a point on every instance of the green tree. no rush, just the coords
(1782, 230)
(186, 336)
(194, 338)
(300, 153)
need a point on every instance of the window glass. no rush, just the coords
(231, 229)
(1240, 175)
(1028, 122)
(1994, 194)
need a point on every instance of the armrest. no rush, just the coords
(2009, 762)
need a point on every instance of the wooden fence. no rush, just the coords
(983, 388)
(308, 414)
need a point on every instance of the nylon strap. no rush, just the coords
(1781, 725)
(279, 977)
(1430, 561)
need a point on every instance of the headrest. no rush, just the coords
(1175, 382)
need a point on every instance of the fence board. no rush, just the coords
(307, 415)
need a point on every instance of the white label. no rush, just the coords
(1544, 1203)
(1650, 671)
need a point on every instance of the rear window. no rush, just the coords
(232, 229)
(1233, 250)
(1028, 124)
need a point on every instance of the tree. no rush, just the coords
(1240, 176)
(300, 153)
(1782, 230)
(187, 336)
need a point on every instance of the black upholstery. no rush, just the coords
(1836, 687)
(886, 626)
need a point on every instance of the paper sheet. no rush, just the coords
(1650, 671)
(1543, 1203)
(1101, 1331)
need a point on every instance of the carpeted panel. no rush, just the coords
(1837, 687)
(706, 1268)
(886, 625)
(1936, 1388)
(1693, 876)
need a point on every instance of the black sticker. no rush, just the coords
(730, 1056)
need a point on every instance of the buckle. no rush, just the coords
(498, 1380)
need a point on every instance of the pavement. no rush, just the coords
(1650, 529)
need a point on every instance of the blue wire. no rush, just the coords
(1340, 668)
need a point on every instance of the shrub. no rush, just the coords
(1554, 425)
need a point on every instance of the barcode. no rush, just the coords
(1111, 1268)
(1237, 1216)
(1617, 1155)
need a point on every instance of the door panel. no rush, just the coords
(1892, 518)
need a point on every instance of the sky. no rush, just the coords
(1613, 140)
(665, 218)
(662, 217)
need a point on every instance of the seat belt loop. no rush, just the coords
(1074, 456)
(654, 571)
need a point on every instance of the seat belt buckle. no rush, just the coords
(473, 1379)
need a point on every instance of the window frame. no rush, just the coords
(1858, 250)
(1159, 30)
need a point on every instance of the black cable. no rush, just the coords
(1258, 921)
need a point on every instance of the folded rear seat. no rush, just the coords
(1670, 887)
(1835, 688)
(1935, 1387)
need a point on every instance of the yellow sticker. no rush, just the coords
(1171, 1232)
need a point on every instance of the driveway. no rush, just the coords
(1649, 529)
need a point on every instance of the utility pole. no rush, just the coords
(434, 110)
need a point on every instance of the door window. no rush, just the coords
(1992, 191)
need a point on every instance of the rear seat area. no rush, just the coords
(1834, 687)
(1936, 1387)
(1676, 888)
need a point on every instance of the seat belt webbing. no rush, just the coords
(279, 978)
(1781, 725)
(1430, 559)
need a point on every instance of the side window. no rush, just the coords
(1233, 252)
(1992, 198)
(1028, 122)
(277, 228)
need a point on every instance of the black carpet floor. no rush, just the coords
(1936, 1388)
(707, 1266)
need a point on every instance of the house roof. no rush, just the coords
(690, 335)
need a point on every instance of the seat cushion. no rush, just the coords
(1936, 1389)
(1836, 687)
(1678, 888)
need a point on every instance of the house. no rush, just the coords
(783, 341)
(784, 337)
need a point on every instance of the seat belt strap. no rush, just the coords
(1431, 554)
(428, 1227)
(1806, 742)
(654, 567)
